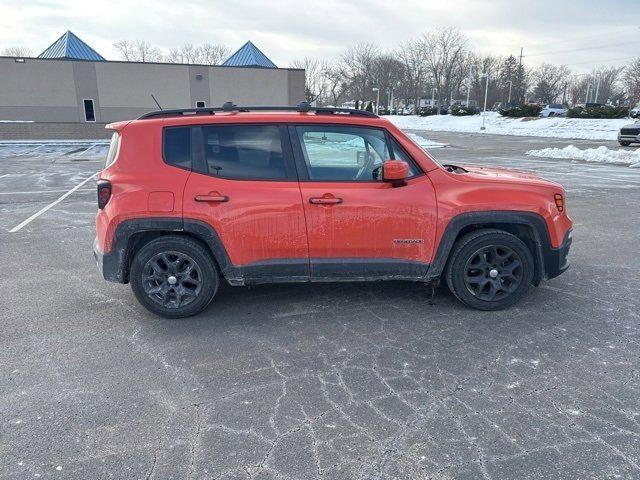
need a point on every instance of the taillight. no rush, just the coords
(559, 202)
(104, 193)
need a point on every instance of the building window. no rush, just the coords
(89, 111)
(200, 104)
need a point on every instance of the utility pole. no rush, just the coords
(510, 82)
(586, 100)
(520, 72)
(599, 75)
(433, 99)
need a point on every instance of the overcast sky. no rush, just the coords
(289, 29)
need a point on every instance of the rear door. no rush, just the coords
(244, 185)
(359, 226)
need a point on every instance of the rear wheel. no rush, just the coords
(174, 277)
(625, 144)
(489, 269)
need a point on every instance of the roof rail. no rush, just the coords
(303, 107)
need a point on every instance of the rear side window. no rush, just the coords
(114, 147)
(177, 147)
(247, 152)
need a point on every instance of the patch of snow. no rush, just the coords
(559, 127)
(601, 154)
(425, 142)
(16, 121)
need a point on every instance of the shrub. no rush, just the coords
(599, 111)
(426, 111)
(459, 110)
(369, 107)
(523, 110)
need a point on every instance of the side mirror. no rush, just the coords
(395, 172)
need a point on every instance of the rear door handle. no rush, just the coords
(212, 198)
(325, 200)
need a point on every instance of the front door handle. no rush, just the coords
(212, 198)
(325, 200)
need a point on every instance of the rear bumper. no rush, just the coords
(555, 259)
(109, 264)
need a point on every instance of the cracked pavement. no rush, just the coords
(321, 381)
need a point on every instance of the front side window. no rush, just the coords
(249, 152)
(343, 153)
(335, 153)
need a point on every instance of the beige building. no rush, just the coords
(71, 83)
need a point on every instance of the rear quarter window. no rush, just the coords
(176, 147)
(114, 148)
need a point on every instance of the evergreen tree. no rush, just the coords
(369, 107)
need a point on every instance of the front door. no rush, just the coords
(358, 226)
(244, 185)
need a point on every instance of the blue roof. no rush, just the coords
(249, 56)
(71, 47)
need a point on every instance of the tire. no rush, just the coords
(486, 261)
(625, 144)
(174, 276)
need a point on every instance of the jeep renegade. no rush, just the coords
(188, 198)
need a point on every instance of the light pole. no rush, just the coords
(377, 90)
(586, 100)
(599, 75)
(510, 85)
(469, 85)
(486, 91)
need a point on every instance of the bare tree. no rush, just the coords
(139, 51)
(550, 81)
(337, 86)
(445, 51)
(412, 56)
(315, 77)
(387, 75)
(358, 66)
(214, 53)
(126, 50)
(631, 81)
(17, 52)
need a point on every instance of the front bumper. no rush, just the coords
(109, 264)
(555, 259)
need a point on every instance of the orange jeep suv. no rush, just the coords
(247, 195)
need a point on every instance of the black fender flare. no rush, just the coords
(115, 265)
(494, 219)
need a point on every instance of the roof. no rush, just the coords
(249, 56)
(69, 46)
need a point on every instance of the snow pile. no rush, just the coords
(598, 155)
(583, 128)
(425, 142)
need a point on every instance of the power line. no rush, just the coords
(608, 34)
(601, 61)
(584, 49)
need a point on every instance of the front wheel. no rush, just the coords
(174, 276)
(489, 269)
(625, 144)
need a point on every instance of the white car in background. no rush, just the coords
(553, 110)
(635, 111)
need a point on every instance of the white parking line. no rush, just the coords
(46, 191)
(52, 204)
(5, 175)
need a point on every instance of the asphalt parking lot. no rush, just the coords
(333, 381)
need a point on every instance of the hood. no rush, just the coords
(506, 175)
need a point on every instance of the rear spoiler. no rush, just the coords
(117, 126)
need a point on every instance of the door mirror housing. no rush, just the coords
(395, 172)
